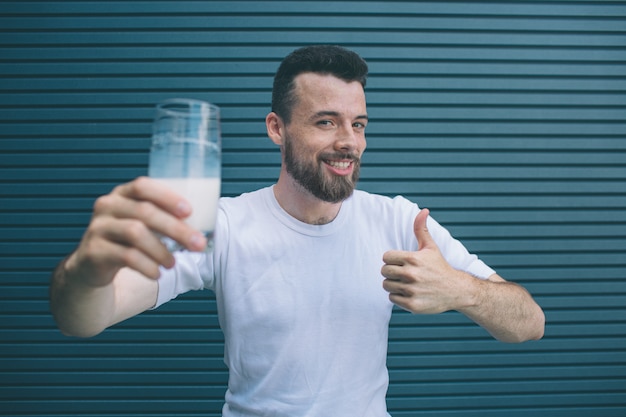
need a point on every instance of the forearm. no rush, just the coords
(506, 310)
(79, 309)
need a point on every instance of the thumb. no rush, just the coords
(424, 239)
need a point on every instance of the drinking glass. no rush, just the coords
(186, 156)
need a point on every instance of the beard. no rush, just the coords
(331, 189)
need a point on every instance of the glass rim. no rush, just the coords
(185, 105)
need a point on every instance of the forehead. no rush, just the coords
(321, 92)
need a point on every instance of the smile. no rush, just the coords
(339, 164)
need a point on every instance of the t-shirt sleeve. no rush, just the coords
(194, 270)
(452, 249)
(183, 277)
(455, 252)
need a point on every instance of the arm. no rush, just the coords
(423, 282)
(506, 310)
(83, 310)
(112, 274)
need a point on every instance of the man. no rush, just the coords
(305, 272)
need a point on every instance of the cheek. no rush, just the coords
(301, 151)
(311, 146)
(362, 145)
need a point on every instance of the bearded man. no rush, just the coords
(305, 272)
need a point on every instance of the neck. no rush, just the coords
(302, 205)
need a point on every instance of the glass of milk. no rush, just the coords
(186, 156)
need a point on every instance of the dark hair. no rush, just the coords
(320, 59)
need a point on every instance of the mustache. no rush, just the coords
(341, 156)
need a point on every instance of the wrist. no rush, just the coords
(472, 293)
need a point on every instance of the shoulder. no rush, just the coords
(242, 210)
(245, 199)
(378, 203)
(391, 213)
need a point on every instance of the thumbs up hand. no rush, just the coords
(420, 228)
(423, 281)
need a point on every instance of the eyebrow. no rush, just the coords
(335, 114)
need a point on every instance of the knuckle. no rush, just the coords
(97, 226)
(88, 249)
(145, 210)
(135, 230)
(103, 203)
(138, 184)
(132, 189)
(415, 307)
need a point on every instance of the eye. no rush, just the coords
(325, 123)
(359, 125)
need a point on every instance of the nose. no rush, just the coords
(349, 139)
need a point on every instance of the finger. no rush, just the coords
(395, 257)
(165, 224)
(114, 253)
(404, 302)
(116, 205)
(400, 299)
(104, 258)
(395, 287)
(392, 272)
(149, 189)
(424, 239)
(135, 234)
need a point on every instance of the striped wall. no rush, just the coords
(506, 119)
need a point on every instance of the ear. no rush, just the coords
(275, 128)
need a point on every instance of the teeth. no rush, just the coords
(340, 165)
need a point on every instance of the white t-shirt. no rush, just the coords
(302, 308)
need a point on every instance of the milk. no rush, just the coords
(203, 195)
(186, 156)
